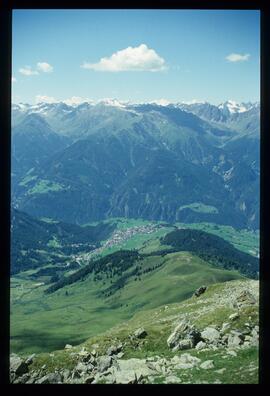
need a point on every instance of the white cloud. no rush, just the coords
(13, 79)
(237, 57)
(45, 99)
(44, 67)
(139, 58)
(27, 71)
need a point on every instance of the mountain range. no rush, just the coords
(174, 162)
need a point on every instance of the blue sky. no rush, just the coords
(178, 55)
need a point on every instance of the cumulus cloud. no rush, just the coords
(139, 58)
(44, 67)
(237, 57)
(27, 71)
(45, 99)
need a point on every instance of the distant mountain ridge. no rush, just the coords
(90, 161)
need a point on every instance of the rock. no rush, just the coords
(172, 379)
(153, 366)
(210, 335)
(234, 316)
(195, 336)
(68, 346)
(140, 333)
(30, 358)
(185, 344)
(75, 374)
(88, 379)
(113, 350)
(120, 355)
(200, 291)
(81, 367)
(220, 371)
(66, 374)
(252, 339)
(23, 379)
(103, 363)
(208, 364)
(185, 361)
(180, 332)
(245, 298)
(94, 353)
(235, 340)
(255, 332)
(51, 378)
(232, 353)
(12, 377)
(18, 365)
(187, 358)
(84, 353)
(31, 380)
(200, 345)
(126, 377)
(225, 326)
(131, 371)
(88, 358)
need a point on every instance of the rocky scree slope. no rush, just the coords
(210, 338)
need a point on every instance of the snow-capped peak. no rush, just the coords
(112, 102)
(161, 102)
(233, 107)
(193, 101)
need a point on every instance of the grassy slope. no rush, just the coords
(46, 322)
(41, 322)
(209, 309)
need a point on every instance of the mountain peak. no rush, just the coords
(232, 107)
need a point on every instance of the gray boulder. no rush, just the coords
(51, 378)
(200, 291)
(210, 335)
(208, 364)
(88, 379)
(17, 365)
(180, 332)
(225, 326)
(234, 316)
(131, 371)
(82, 368)
(185, 361)
(22, 379)
(140, 333)
(172, 379)
(244, 299)
(30, 359)
(200, 345)
(114, 349)
(185, 344)
(235, 339)
(103, 363)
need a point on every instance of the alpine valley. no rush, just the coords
(135, 242)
